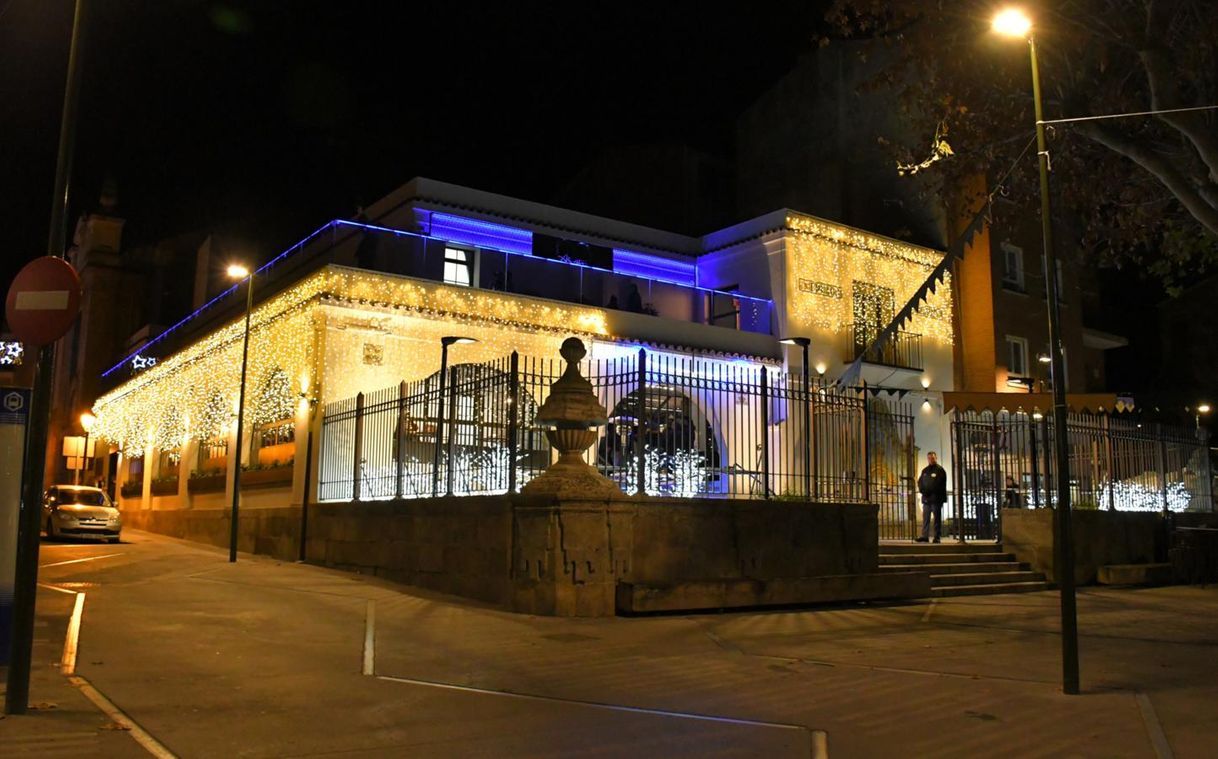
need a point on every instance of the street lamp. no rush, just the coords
(435, 462)
(1013, 22)
(1203, 408)
(804, 343)
(86, 424)
(239, 272)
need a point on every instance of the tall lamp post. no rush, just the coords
(435, 461)
(1201, 410)
(804, 343)
(86, 424)
(1014, 23)
(239, 272)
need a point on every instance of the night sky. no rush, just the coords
(269, 118)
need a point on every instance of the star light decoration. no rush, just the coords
(835, 257)
(286, 333)
(11, 353)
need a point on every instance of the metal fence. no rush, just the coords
(1008, 460)
(698, 427)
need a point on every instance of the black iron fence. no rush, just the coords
(1007, 460)
(903, 350)
(677, 426)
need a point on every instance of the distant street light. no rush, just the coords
(239, 272)
(435, 462)
(1203, 408)
(804, 343)
(1013, 22)
(86, 424)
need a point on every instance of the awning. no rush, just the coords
(1090, 403)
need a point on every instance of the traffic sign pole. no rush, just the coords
(17, 695)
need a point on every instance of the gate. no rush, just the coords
(890, 450)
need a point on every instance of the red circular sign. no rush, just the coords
(43, 301)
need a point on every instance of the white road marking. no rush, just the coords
(67, 664)
(930, 609)
(370, 639)
(116, 715)
(61, 590)
(77, 561)
(817, 737)
(1158, 739)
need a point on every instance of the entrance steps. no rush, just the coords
(968, 569)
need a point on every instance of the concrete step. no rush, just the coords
(985, 578)
(985, 590)
(952, 547)
(968, 567)
(943, 558)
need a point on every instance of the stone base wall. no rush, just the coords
(542, 555)
(1100, 538)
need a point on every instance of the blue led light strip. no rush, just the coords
(403, 233)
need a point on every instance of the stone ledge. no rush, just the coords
(635, 598)
(1134, 574)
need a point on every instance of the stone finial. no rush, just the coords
(570, 410)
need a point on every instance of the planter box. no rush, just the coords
(131, 489)
(211, 483)
(165, 487)
(279, 476)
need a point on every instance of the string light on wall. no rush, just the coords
(830, 259)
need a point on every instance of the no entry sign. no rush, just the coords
(43, 300)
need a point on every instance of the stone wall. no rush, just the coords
(1100, 538)
(542, 555)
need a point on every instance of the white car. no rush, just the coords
(79, 511)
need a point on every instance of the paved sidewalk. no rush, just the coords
(264, 659)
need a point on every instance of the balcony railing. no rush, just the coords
(903, 350)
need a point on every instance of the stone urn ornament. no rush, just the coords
(571, 415)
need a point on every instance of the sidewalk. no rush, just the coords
(264, 659)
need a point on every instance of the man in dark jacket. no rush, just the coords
(932, 484)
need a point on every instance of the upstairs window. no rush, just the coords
(458, 267)
(1017, 356)
(1012, 267)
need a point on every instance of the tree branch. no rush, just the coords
(1198, 203)
(1162, 81)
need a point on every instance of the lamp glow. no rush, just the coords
(237, 271)
(1012, 22)
(87, 420)
(1204, 408)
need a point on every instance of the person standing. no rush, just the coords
(932, 484)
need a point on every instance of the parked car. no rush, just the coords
(80, 511)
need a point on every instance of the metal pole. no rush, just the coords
(452, 414)
(958, 464)
(513, 418)
(866, 447)
(1111, 463)
(1035, 463)
(308, 475)
(435, 459)
(640, 442)
(357, 460)
(17, 693)
(1065, 536)
(765, 432)
(399, 442)
(245, 352)
(807, 426)
(1162, 466)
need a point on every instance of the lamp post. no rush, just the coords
(435, 461)
(1014, 23)
(1202, 408)
(86, 423)
(239, 272)
(804, 343)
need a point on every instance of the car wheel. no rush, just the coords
(115, 539)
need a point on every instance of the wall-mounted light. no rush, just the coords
(926, 383)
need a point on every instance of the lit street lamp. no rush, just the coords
(86, 423)
(1203, 408)
(804, 343)
(1014, 23)
(435, 462)
(239, 272)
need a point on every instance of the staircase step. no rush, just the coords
(968, 567)
(984, 590)
(986, 578)
(953, 547)
(943, 558)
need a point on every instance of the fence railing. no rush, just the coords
(903, 350)
(677, 427)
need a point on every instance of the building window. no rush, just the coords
(458, 267)
(1012, 267)
(1017, 356)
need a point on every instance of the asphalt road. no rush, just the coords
(265, 659)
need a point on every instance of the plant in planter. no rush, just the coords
(206, 480)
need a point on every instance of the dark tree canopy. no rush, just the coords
(1143, 191)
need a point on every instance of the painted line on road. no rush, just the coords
(370, 639)
(53, 587)
(116, 715)
(819, 739)
(77, 561)
(1158, 739)
(930, 609)
(67, 663)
